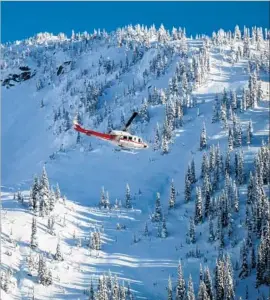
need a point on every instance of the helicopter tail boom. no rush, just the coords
(88, 132)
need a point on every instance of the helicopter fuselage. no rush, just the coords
(120, 138)
(127, 140)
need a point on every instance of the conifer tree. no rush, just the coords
(58, 255)
(190, 289)
(107, 200)
(203, 138)
(202, 293)
(115, 289)
(230, 139)
(102, 198)
(240, 168)
(44, 191)
(52, 200)
(35, 194)
(249, 132)
(157, 143)
(179, 115)
(193, 171)
(146, 231)
(205, 165)
(44, 275)
(253, 258)
(170, 290)
(208, 283)
(164, 145)
(228, 278)
(260, 267)
(157, 217)
(122, 292)
(172, 195)
(128, 197)
(122, 119)
(57, 192)
(191, 232)
(228, 163)
(187, 189)
(207, 189)
(235, 197)
(91, 291)
(223, 115)
(34, 239)
(51, 222)
(211, 230)
(164, 232)
(181, 284)
(244, 264)
(198, 206)
(216, 109)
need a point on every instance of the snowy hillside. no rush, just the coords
(187, 216)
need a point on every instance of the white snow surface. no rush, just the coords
(28, 141)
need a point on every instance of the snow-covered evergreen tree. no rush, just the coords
(164, 145)
(128, 197)
(216, 110)
(58, 255)
(208, 283)
(181, 284)
(57, 192)
(44, 274)
(164, 232)
(44, 191)
(190, 290)
(172, 195)
(34, 238)
(249, 132)
(157, 217)
(170, 289)
(191, 236)
(146, 231)
(198, 206)
(203, 138)
(202, 293)
(211, 237)
(187, 189)
(157, 142)
(102, 201)
(192, 172)
(230, 139)
(244, 264)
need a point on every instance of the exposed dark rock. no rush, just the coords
(60, 70)
(24, 68)
(26, 75)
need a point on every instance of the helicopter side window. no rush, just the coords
(135, 139)
(125, 137)
(130, 138)
(139, 140)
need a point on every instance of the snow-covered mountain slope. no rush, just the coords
(102, 78)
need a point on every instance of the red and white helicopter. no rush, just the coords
(121, 138)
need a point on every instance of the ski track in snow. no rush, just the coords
(148, 263)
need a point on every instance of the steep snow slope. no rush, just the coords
(28, 141)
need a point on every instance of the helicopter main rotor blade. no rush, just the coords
(130, 120)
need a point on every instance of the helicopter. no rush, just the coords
(121, 138)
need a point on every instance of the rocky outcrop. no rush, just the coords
(23, 76)
(61, 68)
